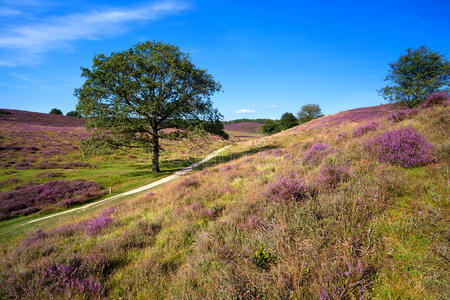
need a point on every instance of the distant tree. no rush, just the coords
(73, 113)
(288, 120)
(271, 127)
(130, 97)
(309, 112)
(415, 75)
(56, 111)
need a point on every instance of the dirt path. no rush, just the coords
(137, 190)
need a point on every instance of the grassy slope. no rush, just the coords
(383, 233)
(121, 170)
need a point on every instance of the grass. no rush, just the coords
(379, 233)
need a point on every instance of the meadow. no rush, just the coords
(348, 206)
(42, 168)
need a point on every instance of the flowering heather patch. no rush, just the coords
(288, 189)
(188, 183)
(316, 153)
(363, 129)
(97, 224)
(30, 199)
(226, 168)
(436, 99)
(405, 147)
(331, 175)
(249, 127)
(402, 114)
(342, 136)
(9, 181)
(34, 237)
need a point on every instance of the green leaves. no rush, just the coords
(130, 96)
(309, 112)
(415, 75)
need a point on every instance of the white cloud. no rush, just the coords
(58, 32)
(272, 106)
(245, 111)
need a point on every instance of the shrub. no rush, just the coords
(316, 153)
(288, 189)
(331, 175)
(405, 147)
(27, 199)
(263, 258)
(96, 225)
(363, 129)
(436, 99)
(402, 114)
(56, 111)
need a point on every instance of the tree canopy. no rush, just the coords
(309, 112)
(130, 97)
(415, 75)
(288, 120)
(55, 111)
(271, 127)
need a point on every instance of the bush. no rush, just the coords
(316, 153)
(363, 129)
(331, 175)
(73, 114)
(96, 225)
(436, 99)
(402, 114)
(405, 147)
(263, 258)
(271, 127)
(56, 111)
(288, 189)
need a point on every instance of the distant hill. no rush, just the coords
(41, 119)
(247, 127)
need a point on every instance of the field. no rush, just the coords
(243, 130)
(43, 170)
(349, 206)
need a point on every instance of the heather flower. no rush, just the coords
(402, 114)
(436, 99)
(405, 147)
(96, 225)
(363, 129)
(331, 175)
(288, 189)
(226, 168)
(188, 183)
(316, 153)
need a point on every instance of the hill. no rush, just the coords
(353, 205)
(242, 130)
(42, 167)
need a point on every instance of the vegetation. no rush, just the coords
(55, 111)
(309, 112)
(263, 222)
(288, 120)
(260, 121)
(415, 75)
(271, 127)
(131, 97)
(73, 113)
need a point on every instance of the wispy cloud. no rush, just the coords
(272, 106)
(245, 111)
(25, 78)
(60, 32)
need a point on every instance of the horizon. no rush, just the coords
(269, 59)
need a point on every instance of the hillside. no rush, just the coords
(42, 167)
(242, 130)
(348, 206)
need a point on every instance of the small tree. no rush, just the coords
(288, 120)
(309, 112)
(271, 127)
(73, 113)
(130, 97)
(56, 111)
(415, 75)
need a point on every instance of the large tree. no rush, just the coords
(130, 97)
(415, 75)
(309, 112)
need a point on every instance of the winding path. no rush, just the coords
(139, 189)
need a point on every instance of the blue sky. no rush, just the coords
(270, 56)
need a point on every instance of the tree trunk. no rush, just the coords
(155, 150)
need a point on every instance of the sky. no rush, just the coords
(270, 57)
